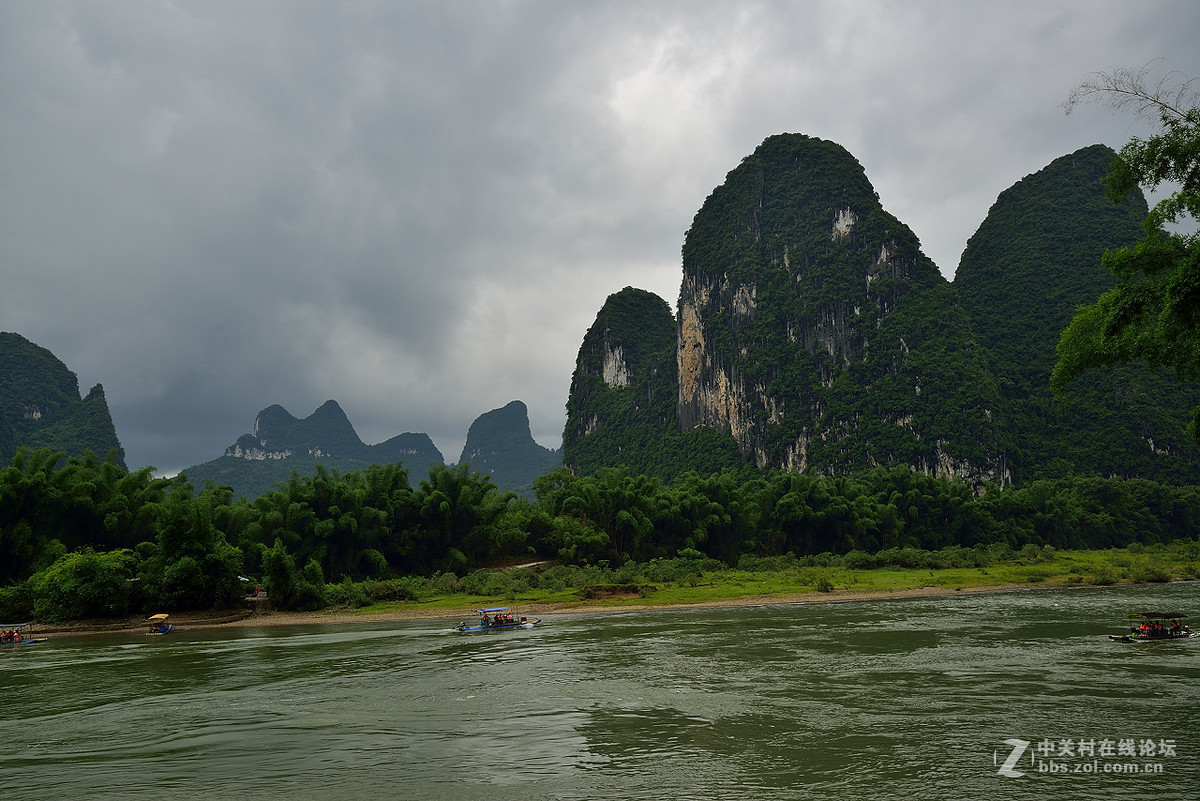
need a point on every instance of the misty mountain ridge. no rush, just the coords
(326, 434)
(498, 444)
(281, 443)
(40, 407)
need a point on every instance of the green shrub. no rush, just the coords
(347, 593)
(446, 582)
(16, 602)
(768, 564)
(407, 588)
(858, 560)
(82, 585)
(491, 583)
(310, 588)
(1149, 574)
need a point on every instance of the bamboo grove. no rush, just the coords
(83, 537)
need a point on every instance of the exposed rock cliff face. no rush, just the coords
(621, 410)
(813, 329)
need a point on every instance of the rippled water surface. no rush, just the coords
(861, 700)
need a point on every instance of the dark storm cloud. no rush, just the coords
(418, 208)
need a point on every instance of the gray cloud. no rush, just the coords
(417, 209)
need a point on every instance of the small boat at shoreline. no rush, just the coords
(498, 618)
(158, 624)
(18, 634)
(1154, 626)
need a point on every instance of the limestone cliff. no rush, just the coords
(621, 409)
(813, 329)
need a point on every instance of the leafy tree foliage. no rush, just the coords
(84, 585)
(167, 546)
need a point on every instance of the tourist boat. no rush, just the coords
(18, 634)
(498, 618)
(1153, 626)
(158, 624)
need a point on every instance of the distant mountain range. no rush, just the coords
(281, 443)
(499, 444)
(40, 407)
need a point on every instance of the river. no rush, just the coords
(917, 698)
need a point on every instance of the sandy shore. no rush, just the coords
(249, 617)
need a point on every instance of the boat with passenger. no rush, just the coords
(18, 634)
(1152, 626)
(158, 624)
(498, 618)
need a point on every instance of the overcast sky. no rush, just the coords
(417, 209)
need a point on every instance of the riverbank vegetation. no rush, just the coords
(690, 580)
(83, 537)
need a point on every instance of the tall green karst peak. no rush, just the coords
(813, 329)
(509, 424)
(624, 377)
(1037, 255)
(631, 332)
(40, 406)
(1035, 258)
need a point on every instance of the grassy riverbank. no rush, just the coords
(682, 582)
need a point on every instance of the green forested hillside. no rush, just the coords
(1034, 259)
(812, 336)
(40, 406)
